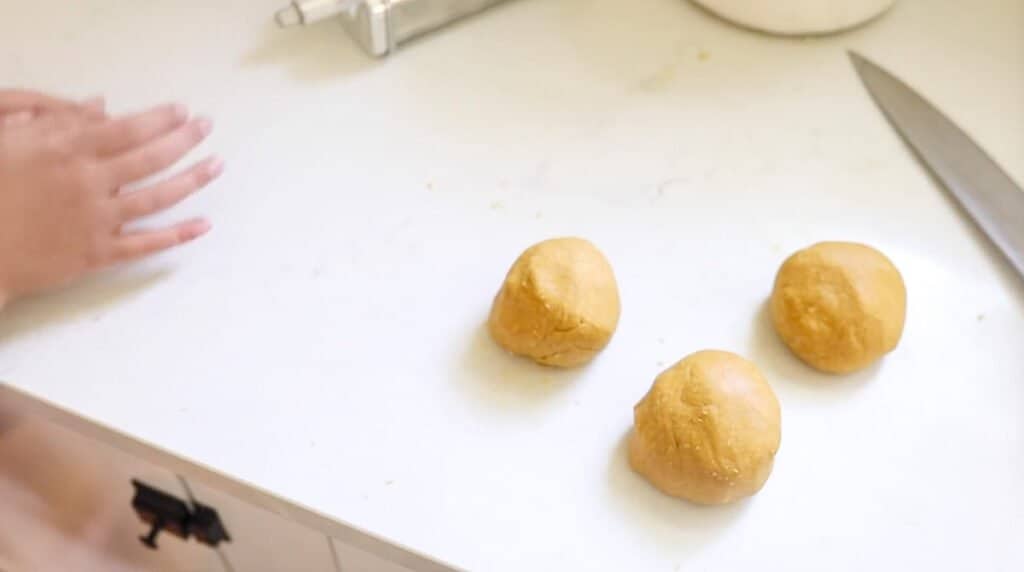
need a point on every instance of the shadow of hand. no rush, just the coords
(88, 297)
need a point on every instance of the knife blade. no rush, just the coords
(969, 174)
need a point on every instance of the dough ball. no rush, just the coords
(559, 304)
(839, 306)
(708, 429)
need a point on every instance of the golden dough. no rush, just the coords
(559, 304)
(708, 429)
(839, 306)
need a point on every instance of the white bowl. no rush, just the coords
(797, 17)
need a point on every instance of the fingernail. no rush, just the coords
(179, 111)
(215, 168)
(204, 125)
(196, 230)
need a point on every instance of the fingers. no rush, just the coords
(95, 108)
(160, 153)
(16, 100)
(90, 110)
(55, 124)
(19, 107)
(163, 195)
(135, 245)
(126, 133)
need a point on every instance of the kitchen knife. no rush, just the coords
(970, 175)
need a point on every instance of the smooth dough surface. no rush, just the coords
(839, 306)
(559, 304)
(708, 429)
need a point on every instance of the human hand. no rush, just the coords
(62, 211)
(18, 106)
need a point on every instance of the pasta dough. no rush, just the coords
(708, 429)
(559, 304)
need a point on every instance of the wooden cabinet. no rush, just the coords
(353, 559)
(66, 503)
(262, 541)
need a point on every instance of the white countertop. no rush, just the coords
(325, 344)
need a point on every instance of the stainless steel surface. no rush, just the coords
(310, 11)
(368, 26)
(380, 26)
(410, 19)
(974, 179)
(288, 16)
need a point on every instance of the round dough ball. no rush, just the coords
(708, 429)
(839, 306)
(559, 304)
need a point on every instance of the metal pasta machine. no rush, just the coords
(380, 26)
